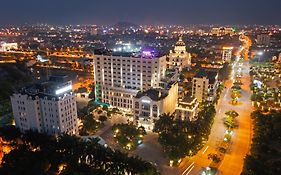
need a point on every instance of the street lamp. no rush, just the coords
(260, 53)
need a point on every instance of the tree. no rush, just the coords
(232, 113)
(128, 135)
(264, 157)
(90, 125)
(225, 72)
(181, 138)
(164, 124)
(82, 90)
(230, 119)
(68, 155)
(229, 122)
(102, 118)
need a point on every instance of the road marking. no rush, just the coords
(190, 170)
(188, 167)
(205, 150)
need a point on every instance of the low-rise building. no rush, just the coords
(150, 104)
(47, 107)
(187, 108)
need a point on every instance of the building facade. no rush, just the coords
(48, 107)
(179, 58)
(187, 109)
(6, 47)
(204, 85)
(152, 103)
(222, 31)
(263, 39)
(119, 78)
(226, 54)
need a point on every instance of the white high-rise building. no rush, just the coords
(48, 107)
(118, 78)
(226, 54)
(179, 58)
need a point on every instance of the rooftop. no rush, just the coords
(153, 94)
(209, 74)
(180, 42)
(56, 86)
(145, 53)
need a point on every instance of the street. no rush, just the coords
(232, 163)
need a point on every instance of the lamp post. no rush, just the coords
(260, 53)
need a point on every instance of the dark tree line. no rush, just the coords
(37, 154)
(184, 138)
(265, 155)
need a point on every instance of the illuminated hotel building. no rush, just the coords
(179, 58)
(47, 107)
(119, 77)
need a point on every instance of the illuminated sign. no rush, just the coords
(64, 89)
(148, 53)
(145, 101)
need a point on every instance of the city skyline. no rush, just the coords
(153, 87)
(142, 12)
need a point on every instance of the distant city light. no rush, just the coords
(125, 47)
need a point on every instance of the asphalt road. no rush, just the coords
(232, 163)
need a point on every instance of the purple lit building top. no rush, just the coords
(148, 53)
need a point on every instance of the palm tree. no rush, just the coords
(164, 124)
(232, 113)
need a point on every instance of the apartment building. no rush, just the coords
(204, 85)
(47, 107)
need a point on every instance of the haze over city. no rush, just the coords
(140, 12)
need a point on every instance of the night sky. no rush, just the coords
(140, 11)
